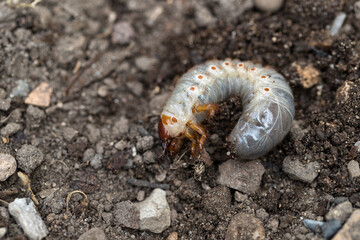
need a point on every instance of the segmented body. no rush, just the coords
(267, 100)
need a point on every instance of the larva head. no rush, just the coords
(170, 127)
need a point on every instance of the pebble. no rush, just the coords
(173, 236)
(26, 215)
(268, 5)
(312, 224)
(145, 143)
(123, 33)
(154, 212)
(7, 166)
(103, 91)
(245, 226)
(70, 134)
(298, 171)
(88, 155)
(34, 116)
(10, 129)
(341, 212)
(3, 231)
(4, 214)
(261, 214)
(242, 176)
(357, 10)
(329, 228)
(217, 200)
(350, 228)
(273, 224)
(29, 158)
(239, 197)
(145, 63)
(5, 104)
(354, 169)
(96, 161)
(93, 133)
(203, 16)
(140, 196)
(22, 89)
(127, 214)
(40, 96)
(93, 234)
(149, 157)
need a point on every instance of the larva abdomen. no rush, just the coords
(268, 104)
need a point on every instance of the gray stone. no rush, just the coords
(93, 133)
(203, 16)
(329, 228)
(261, 214)
(88, 155)
(69, 134)
(96, 161)
(341, 212)
(145, 63)
(93, 234)
(240, 197)
(145, 143)
(26, 215)
(122, 145)
(29, 158)
(127, 214)
(123, 33)
(3, 231)
(7, 166)
(357, 10)
(245, 226)
(354, 169)
(4, 214)
(298, 171)
(268, 5)
(10, 129)
(242, 176)
(149, 157)
(22, 89)
(34, 116)
(154, 212)
(5, 104)
(351, 229)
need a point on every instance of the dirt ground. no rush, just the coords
(109, 86)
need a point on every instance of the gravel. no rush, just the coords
(350, 228)
(123, 33)
(298, 171)
(7, 166)
(29, 158)
(5, 104)
(127, 214)
(245, 226)
(269, 5)
(340, 212)
(10, 129)
(354, 169)
(93, 234)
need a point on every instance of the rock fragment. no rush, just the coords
(309, 75)
(340, 212)
(154, 212)
(145, 63)
(10, 129)
(29, 158)
(69, 134)
(351, 229)
(298, 171)
(145, 143)
(26, 215)
(123, 33)
(354, 169)
(245, 226)
(127, 214)
(40, 96)
(5, 104)
(7, 166)
(268, 5)
(242, 176)
(93, 234)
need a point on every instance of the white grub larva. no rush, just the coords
(268, 106)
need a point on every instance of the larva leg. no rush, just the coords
(199, 130)
(192, 138)
(175, 146)
(211, 107)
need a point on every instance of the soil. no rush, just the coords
(114, 99)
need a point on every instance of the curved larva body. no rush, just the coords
(268, 103)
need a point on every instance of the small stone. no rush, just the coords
(354, 169)
(40, 96)
(312, 224)
(340, 212)
(123, 33)
(93, 234)
(154, 212)
(329, 228)
(3, 231)
(29, 158)
(135, 87)
(122, 145)
(145, 63)
(88, 155)
(96, 161)
(21, 90)
(160, 177)
(342, 93)
(203, 16)
(239, 197)
(69, 134)
(309, 76)
(173, 236)
(145, 143)
(242, 176)
(4, 214)
(140, 196)
(10, 129)
(108, 217)
(127, 214)
(273, 224)
(93, 133)
(7, 166)
(24, 212)
(245, 226)
(351, 229)
(217, 200)
(34, 116)
(5, 104)
(298, 171)
(357, 10)
(149, 157)
(121, 127)
(262, 214)
(103, 91)
(268, 5)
